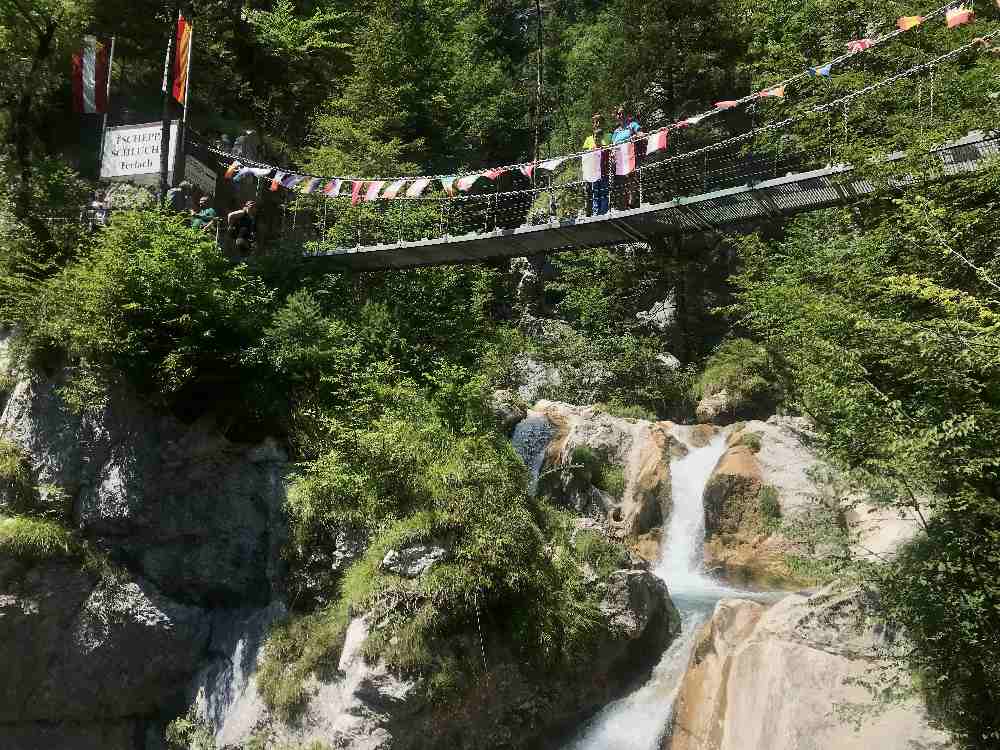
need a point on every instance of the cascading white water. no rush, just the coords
(531, 437)
(637, 721)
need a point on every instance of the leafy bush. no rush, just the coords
(34, 539)
(770, 507)
(589, 467)
(751, 440)
(15, 479)
(153, 299)
(742, 368)
(190, 732)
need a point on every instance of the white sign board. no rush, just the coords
(132, 152)
(199, 175)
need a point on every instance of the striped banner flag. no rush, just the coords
(625, 159)
(590, 165)
(356, 186)
(182, 61)
(90, 77)
(417, 188)
(393, 190)
(374, 188)
(332, 188)
(657, 141)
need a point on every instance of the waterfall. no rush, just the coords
(531, 438)
(638, 721)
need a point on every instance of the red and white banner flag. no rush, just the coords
(374, 188)
(624, 159)
(182, 60)
(356, 186)
(393, 190)
(959, 16)
(590, 165)
(332, 188)
(91, 68)
(657, 141)
(417, 188)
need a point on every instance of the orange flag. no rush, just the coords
(182, 62)
(908, 22)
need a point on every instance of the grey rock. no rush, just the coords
(508, 409)
(633, 599)
(668, 361)
(413, 561)
(661, 316)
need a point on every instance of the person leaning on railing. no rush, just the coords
(627, 187)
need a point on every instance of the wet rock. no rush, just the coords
(772, 679)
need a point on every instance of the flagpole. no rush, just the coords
(168, 86)
(181, 155)
(107, 106)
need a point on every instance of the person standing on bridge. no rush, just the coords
(597, 192)
(243, 227)
(627, 187)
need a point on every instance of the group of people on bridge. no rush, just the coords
(626, 188)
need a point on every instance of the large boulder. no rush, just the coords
(198, 516)
(629, 481)
(786, 678)
(93, 653)
(363, 705)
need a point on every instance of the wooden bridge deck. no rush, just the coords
(733, 207)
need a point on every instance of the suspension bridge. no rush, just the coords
(734, 197)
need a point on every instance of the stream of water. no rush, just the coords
(638, 721)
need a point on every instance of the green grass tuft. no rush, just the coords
(751, 440)
(34, 539)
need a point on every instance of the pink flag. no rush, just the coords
(393, 190)
(657, 141)
(464, 183)
(860, 45)
(552, 164)
(374, 188)
(493, 174)
(356, 186)
(332, 188)
(624, 159)
(590, 165)
(728, 104)
(529, 169)
(417, 188)
(959, 16)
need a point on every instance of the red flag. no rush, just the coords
(90, 77)
(625, 159)
(182, 59)
(860, 45)
(356, 186)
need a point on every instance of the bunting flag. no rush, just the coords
(590, 165)
(232, 169)
(552, 164)
(657, 141)
(774, 91)
(291, 180)
(311, 185)
(728, 104)
(625, 159)
(393, 190)
(464, 183)
(908, 22)
(448, 185)
(356, 186)
(959, 16)
(332, 188)
(823, 71)
(493, 174)
(255, 171)
(528, 170)
(859, 45)
(693, 120)
(90, 77)
(276, 181)
(182, 59)
(417, 188)
(374, 188)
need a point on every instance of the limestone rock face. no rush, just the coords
(197, 516)
(715, 408)
(76, 649)
(640, 450)
(773, 679)
(413, 561)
